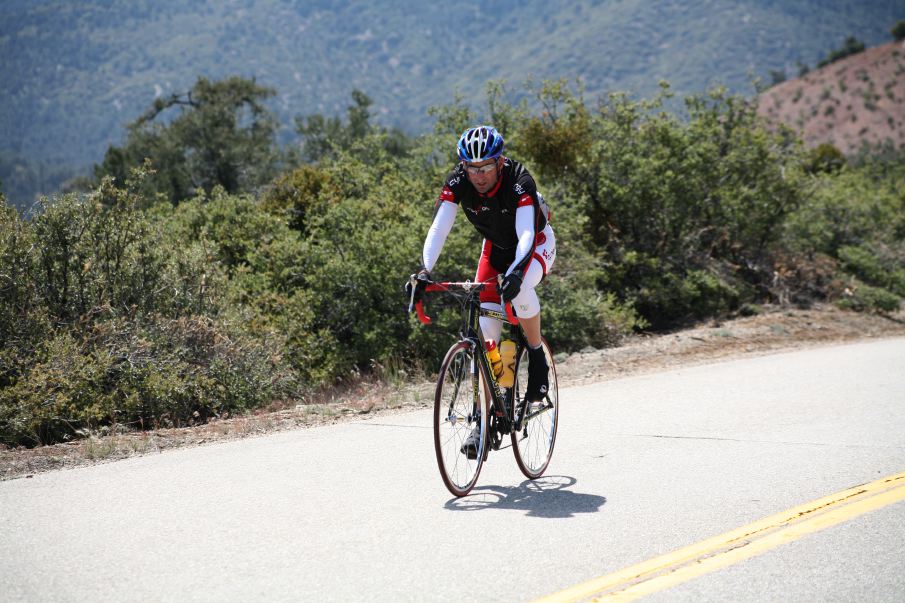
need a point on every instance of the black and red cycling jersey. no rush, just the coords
(493, 213)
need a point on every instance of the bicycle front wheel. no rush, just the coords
(536, 422)
(460, 408)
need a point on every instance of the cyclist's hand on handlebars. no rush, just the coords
(510, 285)
(417, 283)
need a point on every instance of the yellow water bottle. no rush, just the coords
(507, 357)
(493, 355)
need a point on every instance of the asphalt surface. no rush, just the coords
(357, 511)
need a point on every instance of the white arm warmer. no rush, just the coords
(439, 230)
(524, 227)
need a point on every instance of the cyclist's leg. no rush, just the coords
(539, 405)
(527, 304)
(490, 299)
(528, 309)
(491, 329)
(537, 422)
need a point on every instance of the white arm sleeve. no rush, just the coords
(524, 227)
(436, 236)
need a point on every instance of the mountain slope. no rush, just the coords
(75, 72)
(856, 100)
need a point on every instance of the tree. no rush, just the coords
(222, 135)
(851, 46)
(824, 158)
(898, 31)
(323, 137)
(777, 76)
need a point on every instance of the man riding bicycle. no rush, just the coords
(500, 198)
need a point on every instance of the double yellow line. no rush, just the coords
(706, 556)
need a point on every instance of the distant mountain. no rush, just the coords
(74, 72)
(856, 100)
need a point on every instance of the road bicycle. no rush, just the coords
(469, 396)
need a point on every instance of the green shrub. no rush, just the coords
(163, 373)
(671, 204)
(862, 263)
(864, 298)
(872, 268)
(898, 30)
(117, 309)
(824, 158)
(576, 318)
(850, 208)
(851, 46)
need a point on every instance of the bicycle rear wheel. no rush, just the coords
(460, 406)
(536, 422)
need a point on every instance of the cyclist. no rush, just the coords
(500, 198)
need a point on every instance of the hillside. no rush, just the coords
(858, 99)
(75, 72)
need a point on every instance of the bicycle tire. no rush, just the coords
(460, 405)
(534, 439)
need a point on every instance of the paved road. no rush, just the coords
(643, 466)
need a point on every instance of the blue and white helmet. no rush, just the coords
(480, 144)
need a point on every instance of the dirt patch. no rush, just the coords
(773, 330)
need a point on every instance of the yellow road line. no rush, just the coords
(708, 555)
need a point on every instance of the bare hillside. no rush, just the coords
(849, 102)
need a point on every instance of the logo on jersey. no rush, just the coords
(518, 189)
(478, 210)
(446, 194)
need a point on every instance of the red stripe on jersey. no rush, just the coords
(525, 200)
(447, 195)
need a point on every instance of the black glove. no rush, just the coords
(510, 286)
(420, 281)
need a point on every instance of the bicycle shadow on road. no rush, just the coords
(547, 496)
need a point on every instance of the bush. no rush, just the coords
(862, 263)
(119, 309)
(898, 31)
(667, 297)
(576, 318)
(864, 298)
(851, 46)
(824, 158)
(851, 208)
(119, 316)
(162, 373)
(805, 279)
(872, 268)
(678, 213)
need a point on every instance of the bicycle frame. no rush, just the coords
(501, 407)
(492, 411)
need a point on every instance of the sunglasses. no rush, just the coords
(484, 169)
